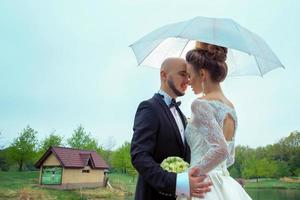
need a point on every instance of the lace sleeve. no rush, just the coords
(230, 159)
(204, 120)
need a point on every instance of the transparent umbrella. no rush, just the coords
(248, 54)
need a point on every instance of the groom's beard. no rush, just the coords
(174, 89)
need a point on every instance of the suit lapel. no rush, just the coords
(184, 122)
(172, 121)
(182, 117)
(186, 145)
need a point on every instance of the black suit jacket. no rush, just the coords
(156, 136)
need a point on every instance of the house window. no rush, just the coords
(85, 171)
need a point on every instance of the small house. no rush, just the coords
(68, 168)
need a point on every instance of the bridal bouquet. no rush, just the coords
(174, 164)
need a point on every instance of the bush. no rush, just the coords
(297, 172)
(234, 172)
(3, 162)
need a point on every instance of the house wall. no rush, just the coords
(76, 176)
(51, 161)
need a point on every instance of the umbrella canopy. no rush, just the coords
(248, 54)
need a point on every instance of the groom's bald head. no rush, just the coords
(173, 76)
(172, 63)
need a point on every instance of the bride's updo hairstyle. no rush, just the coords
(210, 57)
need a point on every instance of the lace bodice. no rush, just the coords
(204, 134)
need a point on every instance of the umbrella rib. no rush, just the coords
(262, 50)
(255, 42)
(238, 28)
(258, 66)
(155, 46)
(191, 21)
(184, 48)
(180, 34)
(150, 52)
(167, 29)
(264, 60)
(264, 57)
(251, 53)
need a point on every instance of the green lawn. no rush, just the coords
(24, 185)
(17, 180)
(124, 182)
(271, 183)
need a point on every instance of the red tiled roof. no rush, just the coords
(74, 158)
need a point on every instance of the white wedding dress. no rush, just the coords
(210, 151)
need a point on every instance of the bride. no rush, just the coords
(211, 131)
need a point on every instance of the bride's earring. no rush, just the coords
(203, 88)
(202, 79)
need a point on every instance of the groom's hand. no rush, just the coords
(198, 188)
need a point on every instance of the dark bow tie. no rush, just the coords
(174, 104)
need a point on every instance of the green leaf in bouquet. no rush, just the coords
(174, 164)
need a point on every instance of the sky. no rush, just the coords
(67, 63)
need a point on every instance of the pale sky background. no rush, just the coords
(65, 63)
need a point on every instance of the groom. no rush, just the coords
(159, 133)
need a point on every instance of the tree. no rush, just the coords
(81, 140)
(1, 147)
(294, 162)
(234, 172)
(106, 150)
(257, 168)
(3, 157)
(50, 140)
(297, 172)
(293, 144)
(241, 153)
(282, 169)
(122, 161)
(287, 150)
(293, 140)
(23, 148)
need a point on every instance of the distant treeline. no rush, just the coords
(276, 160)
(25, 150)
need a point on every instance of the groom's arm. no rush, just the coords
(143, 144)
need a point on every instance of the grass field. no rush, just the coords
(24, 185)
(271, 183)
(123, 182)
